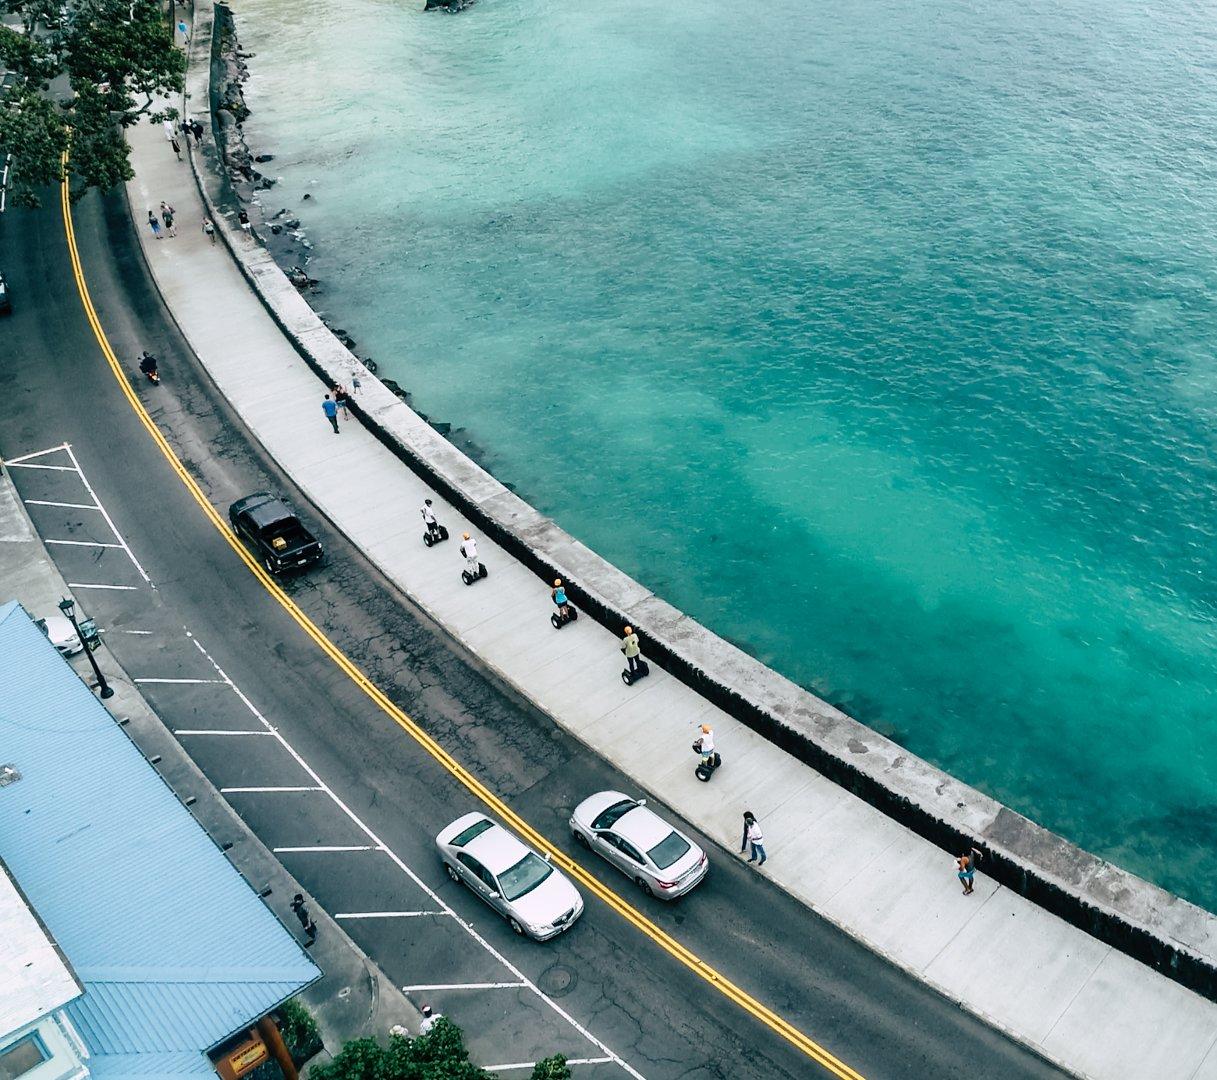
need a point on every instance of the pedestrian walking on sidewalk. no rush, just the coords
(154, 225)
(306, 920)
(754, 837)
(342, 398)
(243, 218)
(209, 229)
(331, 413)
(187, 130)
(167, 128)
(631, 648)
(177, 147)
(167, 212)
(966, 864)
(197, 128)
(430, 1019)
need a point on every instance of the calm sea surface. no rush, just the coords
(880, 336)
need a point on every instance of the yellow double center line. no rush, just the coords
(475, 787)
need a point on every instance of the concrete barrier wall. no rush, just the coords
(1177, 938)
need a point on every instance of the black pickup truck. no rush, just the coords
(271, 526)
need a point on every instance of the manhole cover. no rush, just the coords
(557, 980)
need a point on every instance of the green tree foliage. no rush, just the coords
(551, 1068)
(300, 1035)
(83, 77)
(299, 1031)
(438, 1055)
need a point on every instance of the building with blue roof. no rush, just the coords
(166, 951)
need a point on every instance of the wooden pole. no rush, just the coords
(269, 1031)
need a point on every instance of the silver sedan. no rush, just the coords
(508, 876)
(660, 860)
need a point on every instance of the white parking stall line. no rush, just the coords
(83, 543)
(37, 454)
(109, 520)
(405, 869)
(65, 506)
(141, 633)
(532, 1064)
(387, 914)
(467, 986)
(183, 682)
(321, 847)
(48, 468)
(262, 790)
(207, 731)
(98, 585)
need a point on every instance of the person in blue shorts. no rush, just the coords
(559, 595)
(966, 864)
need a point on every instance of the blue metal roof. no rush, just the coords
(175, 950)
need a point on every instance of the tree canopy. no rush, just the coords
(84, 74)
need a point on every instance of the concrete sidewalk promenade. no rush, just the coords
(1079, 1002)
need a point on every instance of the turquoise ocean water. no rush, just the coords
(879, 336)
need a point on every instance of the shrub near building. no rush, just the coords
(438, 1055)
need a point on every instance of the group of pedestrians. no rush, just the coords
(167, 215)
(175, 135)
(336, 401)
(428, 1018)
(188, 129)
(164, 223)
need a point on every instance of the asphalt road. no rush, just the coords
(208, 617)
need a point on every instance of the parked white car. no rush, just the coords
(62, 634)
(535, 898)
(660, 860)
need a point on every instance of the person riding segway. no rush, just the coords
(566, 612)
(474, 570)
(636, 667)
(435, 531)
(704, 748)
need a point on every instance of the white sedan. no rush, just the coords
(661, 860)
(534, 897)
(62, 634)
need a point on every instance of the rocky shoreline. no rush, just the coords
(281, 231)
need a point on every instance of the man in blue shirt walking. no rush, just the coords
(330, 408)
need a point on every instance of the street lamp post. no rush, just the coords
(68, 607)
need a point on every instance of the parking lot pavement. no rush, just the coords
(415, 924)
(352, 998)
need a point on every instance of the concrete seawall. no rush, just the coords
(1169, 934)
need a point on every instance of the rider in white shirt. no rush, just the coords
(470, 550)
(428, 1020)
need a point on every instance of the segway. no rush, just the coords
(469, 578)
(441, 534)
(705, 768)
(560, 619)
(640, 672)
